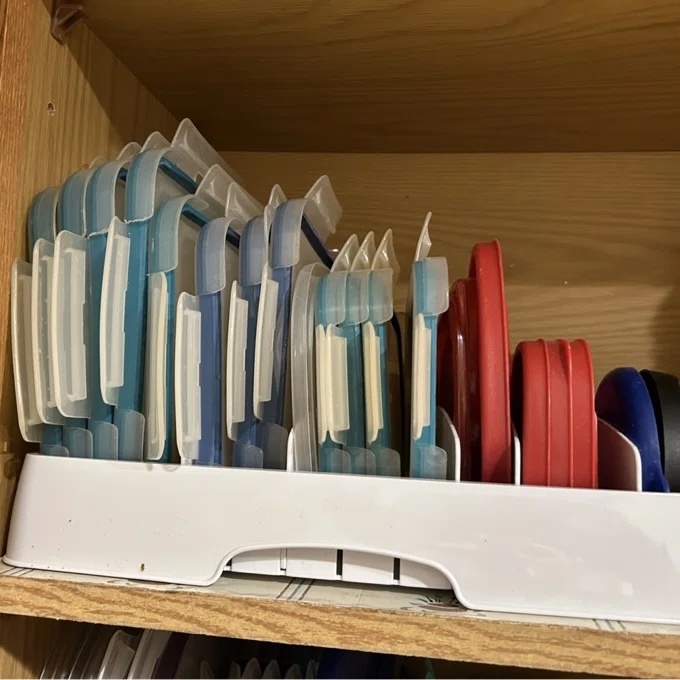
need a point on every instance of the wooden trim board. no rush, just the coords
(315, 613)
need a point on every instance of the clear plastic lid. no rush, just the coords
(155, 141)
(151, 646)
(343, 260)
(187, 376)
(364, 258)
(323, 207)
(22, 351)
(272, 670)
(42, 264)
(69, 307)
(42, 217)
(196, 147)
(213, 241)
(71, 206)
(252, 671)
(130, 150)
(106, 195)
(385, 255)
(118, 656)
(220, 186)
(241, 205)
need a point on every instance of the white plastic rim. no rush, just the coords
(264, 343)
(155, 379)
(68, 319)
(22, 350)
(42, 264)
(112, 319)
(237, 335)
(187, 376)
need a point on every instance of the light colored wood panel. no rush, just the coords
(351, 617)
(25, 644)
(59, 108)
(422, 75)
(590, 241)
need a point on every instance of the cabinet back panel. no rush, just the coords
(591, 243)
(422, 75)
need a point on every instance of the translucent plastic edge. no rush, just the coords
(386, 256)
(237, 332)
(303, 360)
(24, 383)
(211, 256)
(344, 259)
(241, 205)
(187, 376)
(264, 343)
(196, 146)
(96, 162)
(155, 141)
(130, 150)
(112, 326)
(286, 234)
(357, 297)
(421, 377)
(365, 255)
(42, 263)
(323, 208)
(118, 656)
(150, 649)
(381, 296)
(424, 242)
(372, 382)
(42, 217)
(431, 286)
(214, 188)
(155, 379)
(68, 321)
(449, 441)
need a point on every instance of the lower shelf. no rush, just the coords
(391, 620)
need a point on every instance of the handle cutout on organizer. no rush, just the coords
(619, 462)
(187, 376)
(264, 344)
(69, 317)
(237, 334)
(156, 358)
(112, 323)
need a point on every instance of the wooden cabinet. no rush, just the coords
(551, 125)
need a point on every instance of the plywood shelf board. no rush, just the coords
(424, 75)
(397, 621)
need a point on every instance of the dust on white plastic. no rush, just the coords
(150, 649)
(303, 386)
(237, 332)
(187, 376)
(22, 351)
(118, 656)
(114, 289)
(154, 380)
(155, 141)
(42, 263)
(69, 304)
(196, 147)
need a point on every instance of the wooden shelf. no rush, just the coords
(398, 621)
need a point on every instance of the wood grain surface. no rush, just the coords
(26, 642)
(60, 107)
(530, 645)
(409, 75)
(590, 242)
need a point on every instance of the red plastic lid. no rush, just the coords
(585, 420)
(530, 410)
(486, 269)
(560, 413)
